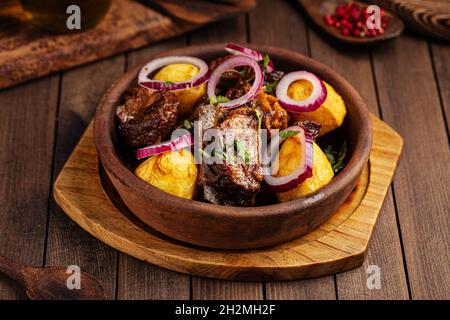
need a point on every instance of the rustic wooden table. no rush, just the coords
(405, 82)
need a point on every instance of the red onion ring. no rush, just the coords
(243, 51)
(231, 63)
(315, 99)
(181, 142)
(305, 168)
(236, 49)
(159, 63)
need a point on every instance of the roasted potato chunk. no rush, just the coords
(182, 72)
(329, 115)
(289, 158)
(173, 172)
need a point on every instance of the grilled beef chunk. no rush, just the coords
(235, 181)
(147, 116)
(207, 117)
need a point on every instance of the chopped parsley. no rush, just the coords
(204, 153)
(288, 134)
(218, 99)
(169, 83)
(270, 87)
(266, 60)
(221, 154)
(244, 72)
(187, 124)
(336, 157)
(259, 115)
(242, 151)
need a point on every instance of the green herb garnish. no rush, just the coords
(340, 161)
(187, 124)
(244, 72)
(336, 157)
(221, 154)
(288, 134)
(270, 88)
(266, 60)
(259, 115)
(218, 99)
(204, 153)
(169, 83)
(242, 151)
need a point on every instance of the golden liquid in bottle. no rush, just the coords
(52, 15)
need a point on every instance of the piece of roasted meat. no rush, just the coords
(274, 116)
(235, 181)
(147, 116)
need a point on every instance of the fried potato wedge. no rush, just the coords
(329, 115)
(182, 72)
(290, 155)
(173, 172)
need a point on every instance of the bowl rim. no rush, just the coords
(112, 163)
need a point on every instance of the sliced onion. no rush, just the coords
(236, 49)
(231, 63)
(181, 142)
(305, 167)
(315, 99)
(157, 64)
(243, 51)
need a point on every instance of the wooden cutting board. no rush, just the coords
(429, 17)
(27, 53)
(85, 194)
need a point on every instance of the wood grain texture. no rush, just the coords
(429, 17)
(385, 247)
(143, 281)
(81, 89)
(27, 53)
(211, 289)
(410, 102)
(27, 133)
(288, 30)
(337, 245)
(440, 53)
(202, 11)
(137, 279)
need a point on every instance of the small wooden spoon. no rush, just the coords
(49, 283)
(316, 9)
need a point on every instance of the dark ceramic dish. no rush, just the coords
(225, 227)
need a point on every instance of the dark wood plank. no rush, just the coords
(209, 289)
(322, 288)
(410, 103)
(222, 31)
(140, 280)
(281, 23)
(385, 247)
(441, 61)
(27, 129)
(68, 244)
(137, 279)
(231, 30)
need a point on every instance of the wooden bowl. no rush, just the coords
(215, 226)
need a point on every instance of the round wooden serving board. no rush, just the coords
(338, 245)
